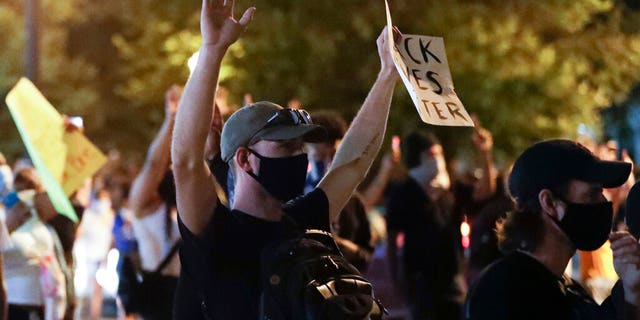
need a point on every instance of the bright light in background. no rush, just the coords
(107, 277)
(191, 63)
(465, 231)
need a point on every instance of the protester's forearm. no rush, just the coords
(194, 113)
(147, 182)
(487, 185)
(364, 137)
(373, 193)
(160, 149)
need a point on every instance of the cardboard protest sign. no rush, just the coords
(83, 160)
(424, 69)
(63, 159)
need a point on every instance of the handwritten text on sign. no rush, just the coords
(424, 69)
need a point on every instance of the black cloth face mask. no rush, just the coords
(283, 178)
(587, 224)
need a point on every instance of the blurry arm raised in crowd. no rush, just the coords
(373, 193)
(195, 189)
(143, 197)
(212, 146)
(487, 185)
(364, 137)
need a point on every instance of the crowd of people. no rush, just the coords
(263, 213)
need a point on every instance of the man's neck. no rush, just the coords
(255, 201)
(553, 252)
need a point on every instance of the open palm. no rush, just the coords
(217, 24)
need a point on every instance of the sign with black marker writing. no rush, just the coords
(424, 69)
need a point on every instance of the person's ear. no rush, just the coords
(242, 159)
(549, 204)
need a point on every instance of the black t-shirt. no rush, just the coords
(429, 234)
(223, 265)
(520, 287)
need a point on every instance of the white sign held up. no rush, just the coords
(424, 69)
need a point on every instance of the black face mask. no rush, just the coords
(587, 224)
(283, 178)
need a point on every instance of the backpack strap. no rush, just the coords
(168, 257)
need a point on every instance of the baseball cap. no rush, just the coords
(266, 121)
(550, 163)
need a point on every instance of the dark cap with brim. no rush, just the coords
(247, 126)
(551, 163)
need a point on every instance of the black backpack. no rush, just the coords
(308, 278)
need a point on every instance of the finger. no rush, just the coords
(626, 250)
(227, 6)
(247, 17)
(618, 235)
(619, 243)
(216, 4)
(623, 248)
(629, 259)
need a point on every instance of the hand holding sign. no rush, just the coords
(62, 157)
(424, 69)
(385, 49)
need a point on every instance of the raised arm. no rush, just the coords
(487, 185)
(364, 137)
(144, 188)
(373, 193)
(195, 189)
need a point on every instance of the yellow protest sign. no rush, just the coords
(424, 69)
(37, 118)
(63, 159)
(83, 160)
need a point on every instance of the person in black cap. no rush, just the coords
(557, 189)
(263, 144)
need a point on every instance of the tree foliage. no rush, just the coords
(529, 69)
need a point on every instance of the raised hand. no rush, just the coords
(482, 138)
(386, 57)
(212, 146)
(217, 24)
(171, 100)
(626, 260)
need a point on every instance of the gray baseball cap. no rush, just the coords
(266, 121)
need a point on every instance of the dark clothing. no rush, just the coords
(484, 242)
(223, 264)
(430, 253)
(19, 312)
(353, 225)
(520, 287)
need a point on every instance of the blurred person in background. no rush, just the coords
(90, 251)
(421, 209)
(152, 200)
(6, 177)
(35, 282)
(62, 228)
(351, 232)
